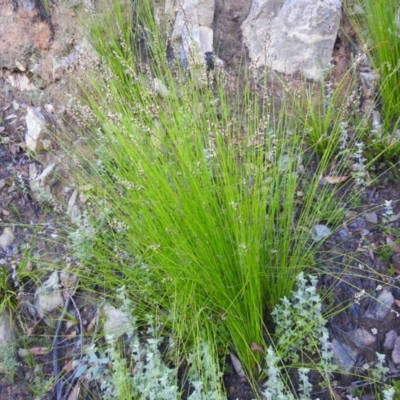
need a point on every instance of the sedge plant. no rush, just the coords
(199, 203)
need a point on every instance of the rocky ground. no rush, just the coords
(37, 56)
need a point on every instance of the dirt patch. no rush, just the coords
(227, 21)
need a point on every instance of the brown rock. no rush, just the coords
(22, 29)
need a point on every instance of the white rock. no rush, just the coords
(20, 66)
(21, 82)
(7, 333)
(35, 124)
(73, 210)
(376, 123)
(256, 27)
(33, 172)
(292, 35)
(319, 232)
(39, 184)
(49, 295)
(193, 27)
(160, 88)
(49, 108)
(6, 238)
(116, 323)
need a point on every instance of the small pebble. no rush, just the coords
(343, 234)
(390, 339)
(6, 238)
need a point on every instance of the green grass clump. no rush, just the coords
(377, 23)
(201, 202)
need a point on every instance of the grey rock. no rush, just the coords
(380, 307)
(359, 224)
(7, 333)
(390, 339)
(361, 338)
(343, 355)
(320, 232)
(396, 351)
(343, 234)
(372, 218)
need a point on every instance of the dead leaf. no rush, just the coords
(350, 214)
(337, 395)
(12, 149)
(393, 243)
(370, 251)
(71, 335)
(38, 351)
(394, 218)
(91, 324)
(68, 366)
(256, 347)
(21, 144)
(396, 250)
(237, 365)
(397, 302)
(389, 239)
(397, 270)
(336, 179)
(29, 331)
(74, 394)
